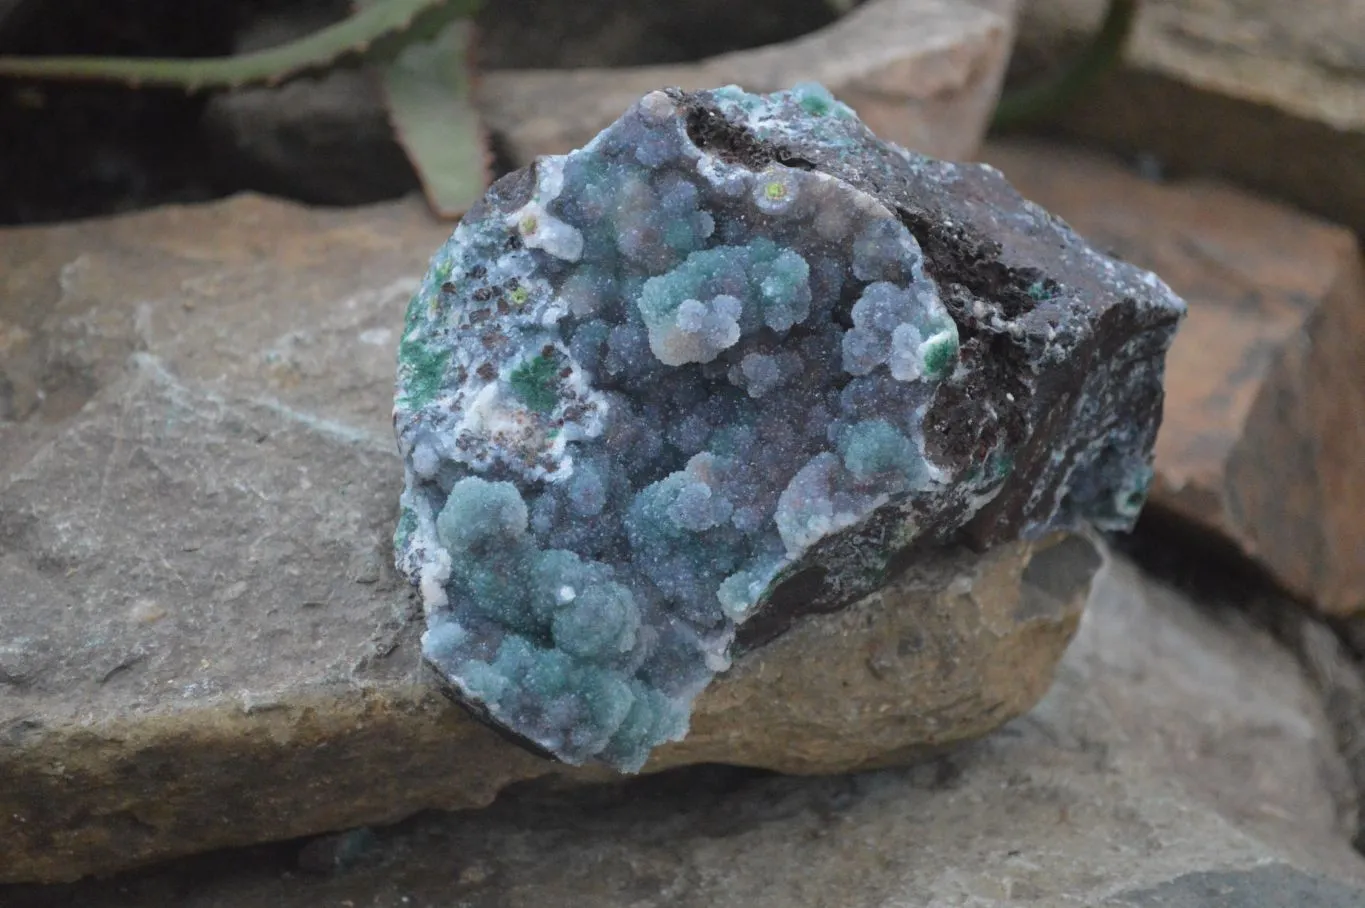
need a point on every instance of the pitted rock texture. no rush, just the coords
(732, 361)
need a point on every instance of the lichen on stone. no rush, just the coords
(649, 384)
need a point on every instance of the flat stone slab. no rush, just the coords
(1180, 760)
(1267, 93)
(202, 639)
(922, 73)
(1264, 421)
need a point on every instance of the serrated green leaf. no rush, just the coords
(429, 87)
(377, 28)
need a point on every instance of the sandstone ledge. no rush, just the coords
(1268, 94)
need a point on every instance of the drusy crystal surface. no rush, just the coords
(733, 361)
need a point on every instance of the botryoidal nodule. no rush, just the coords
(730, 363)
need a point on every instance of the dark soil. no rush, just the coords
(72, 150)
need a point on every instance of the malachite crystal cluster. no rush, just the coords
(731, 362)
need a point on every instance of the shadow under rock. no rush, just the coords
(473, 848)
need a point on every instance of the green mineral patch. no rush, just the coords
(940, 355)
(533, 382)
(423, 369)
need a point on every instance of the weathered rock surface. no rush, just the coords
(202, 642)
(1270, 94)
(924, 73)
(1179, 760)
(1264, 420)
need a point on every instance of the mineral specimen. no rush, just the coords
(735, 360)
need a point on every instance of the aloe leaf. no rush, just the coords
(429, 88)
(370, 31)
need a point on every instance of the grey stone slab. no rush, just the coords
(1273, 884)
(1180, 756)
